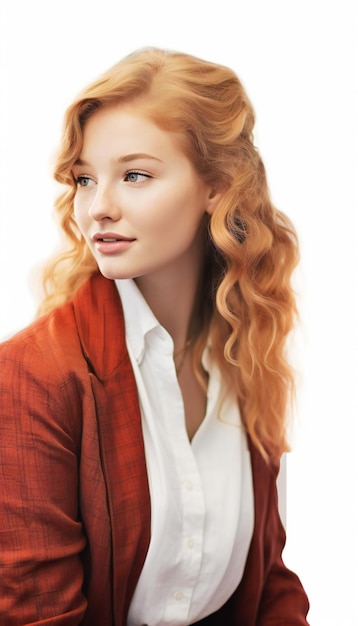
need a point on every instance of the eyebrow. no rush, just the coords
(126, 158)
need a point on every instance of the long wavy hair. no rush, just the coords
(246, 301)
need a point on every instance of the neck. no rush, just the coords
(172, 295)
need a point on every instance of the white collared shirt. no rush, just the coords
(201, 491)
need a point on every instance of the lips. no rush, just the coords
(111, 243)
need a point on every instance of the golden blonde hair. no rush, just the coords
(247, 300)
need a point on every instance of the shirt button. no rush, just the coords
(190, 543)
(178, 595)
(189, 485)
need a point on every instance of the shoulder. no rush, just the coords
(264, 478)
(264, 471)
(48, 344)
(86, 333)
(42, 382)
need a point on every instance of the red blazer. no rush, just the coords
(74, 505)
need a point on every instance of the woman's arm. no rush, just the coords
(41, 535)
(282, 599)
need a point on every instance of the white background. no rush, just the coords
(298, 62)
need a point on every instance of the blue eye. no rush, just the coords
(83, 181)
(135, 177)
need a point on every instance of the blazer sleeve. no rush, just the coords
(282, 598)
(41, 536)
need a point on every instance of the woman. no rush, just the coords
(143, 413)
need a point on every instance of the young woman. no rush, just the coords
(143, 413)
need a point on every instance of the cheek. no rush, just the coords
(76, 207)
(80, 217)
(175, 207)
(79, 210)
(175, 223)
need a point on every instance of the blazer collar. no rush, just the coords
(100, 325)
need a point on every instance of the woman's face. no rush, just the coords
(139, 202)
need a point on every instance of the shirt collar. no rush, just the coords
(139, 318)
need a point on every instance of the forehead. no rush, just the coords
(128, 125)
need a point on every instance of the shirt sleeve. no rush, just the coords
(41, 536)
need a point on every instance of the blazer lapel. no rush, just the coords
(100, 324)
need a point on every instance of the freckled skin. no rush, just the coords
(157, 200)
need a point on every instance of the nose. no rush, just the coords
(105, 205)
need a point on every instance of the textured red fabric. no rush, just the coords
(74, 496)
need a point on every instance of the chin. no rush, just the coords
(112, 273)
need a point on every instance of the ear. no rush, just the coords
(215, 195)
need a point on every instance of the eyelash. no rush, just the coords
(135, 172)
